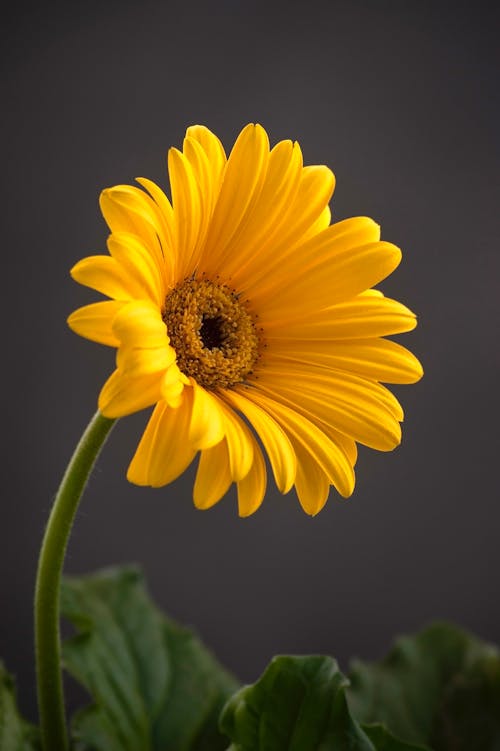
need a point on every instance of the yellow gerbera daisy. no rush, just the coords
(237, 305)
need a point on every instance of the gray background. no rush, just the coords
(400, 99)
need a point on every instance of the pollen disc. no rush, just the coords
(212, 332)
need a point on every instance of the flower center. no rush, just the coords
(213, 334)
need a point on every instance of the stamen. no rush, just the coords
(212, 332)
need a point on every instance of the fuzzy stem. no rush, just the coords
(48, 584)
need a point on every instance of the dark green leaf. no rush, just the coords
(298, 704)
(383, 740)
(469, 717)
(197, 692)
(153, 684)
(15, 733)
(440, 687)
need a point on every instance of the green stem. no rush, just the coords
(47, 639)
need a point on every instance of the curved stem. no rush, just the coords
(47, 639)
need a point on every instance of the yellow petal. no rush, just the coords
(363, 317)
(252, 488)
(164, 451)
(213, 477)
(117, 217)
(187, 206)
(346, 444)
(335, 276)
(331, 243)
(137, 361)
(123, 395)
(208, 194)
(315, 191)
(133, 256)
(327, 454)
(306, 253)
(164, 214)
(312, 484)
(139, 324)
(202, 151)
(172, 386)
(239, 444)
(129, 209)
(391, 403)
(207, 419)
(166, 218)
(371, 424)
(377, 359)
(345, 408)
(274, 439)
(208, 177)
(321, 223)
(212, 148)
(243, 179)
(95, 321)
(265, 218)
(106, 275)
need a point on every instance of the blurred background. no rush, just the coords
(400, 99)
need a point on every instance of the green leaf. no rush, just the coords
(153, 684)
(298, 704)
(470, 713)
(15, 733)
(383, 740)
(440, 687)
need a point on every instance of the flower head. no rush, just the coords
(240, 312)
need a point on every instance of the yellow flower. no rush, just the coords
(237, 305)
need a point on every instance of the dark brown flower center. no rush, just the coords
(212, 332)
